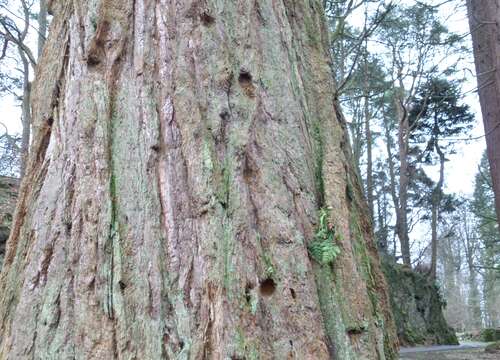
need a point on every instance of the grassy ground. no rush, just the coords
(475, 354)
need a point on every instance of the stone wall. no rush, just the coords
(8, 196)
(417, 306)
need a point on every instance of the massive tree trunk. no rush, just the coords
(484, 18)
(181, 153)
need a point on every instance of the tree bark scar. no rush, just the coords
(96, 52)
(201, 11)
(111, 34)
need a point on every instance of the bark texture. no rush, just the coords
(181, 152)
(484, 18)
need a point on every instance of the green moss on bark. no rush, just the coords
(330, 300)
(318, 169)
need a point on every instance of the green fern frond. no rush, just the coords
(323, 248)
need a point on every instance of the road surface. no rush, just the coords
(464, 351)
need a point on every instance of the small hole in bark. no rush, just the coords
(246, 82)
(223, 203)
(267, 287)
(123, 286)
(93, 60)
(291, 343)
(248, 289)
(155, 148)
(355, 330)
(68, 227)
(292, 292)
(348, 193)
(50, 121)
(181, 344)
(207, 19)
(224, 115)
(245, 78)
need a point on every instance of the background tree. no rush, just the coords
(436, 115)
(16, 28)
(484, 27)
(459, 250)
(414, 40)
(348, 41)
(470, 265)
(487, 228)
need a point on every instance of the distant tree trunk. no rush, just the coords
(451, 286)
(484, 21)
(25, 115)
(382, 209)
(392, 172)
(181, 153)
(470, 246)
(491, 290)
(381, 236)
(368, 136)
(437, 195)
(473, 303)
(27, 61)
(357, 138)
(404, 181)
(491, 294)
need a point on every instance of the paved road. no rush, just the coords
(465, 351)
(462, 346)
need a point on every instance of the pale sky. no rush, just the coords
(11, 114)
